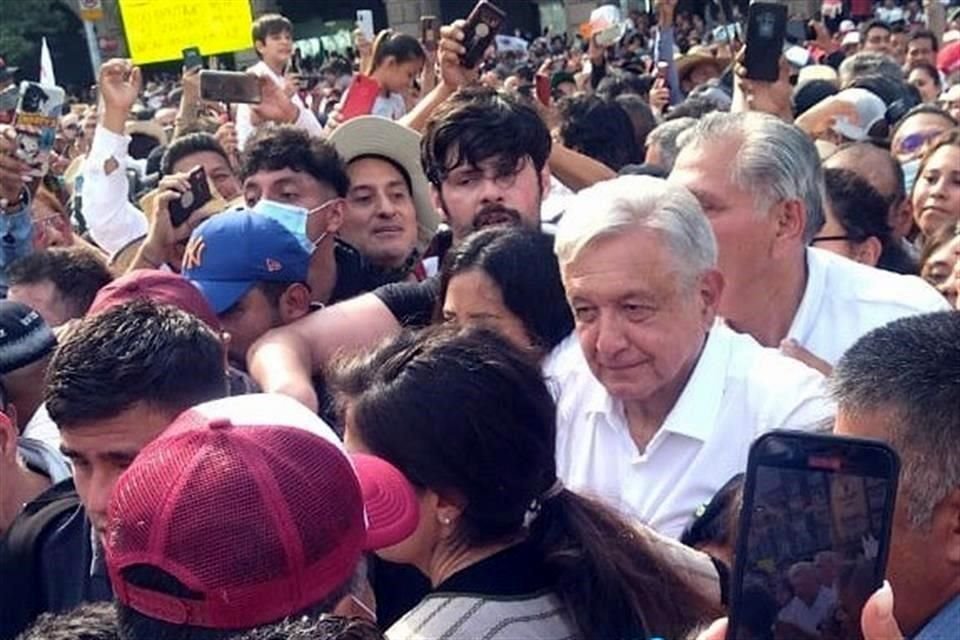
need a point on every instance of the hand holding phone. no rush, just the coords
(814, 534)
(481, 28)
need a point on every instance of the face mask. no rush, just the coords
(293, 219)
(910, 170)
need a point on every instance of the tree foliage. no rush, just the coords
(22, 23)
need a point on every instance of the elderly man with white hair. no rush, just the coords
(657, 403)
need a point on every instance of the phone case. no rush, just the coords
(199, 195)
(766, 26)
(482, 26)
(38, 113)
(365, 23)
(360, 97)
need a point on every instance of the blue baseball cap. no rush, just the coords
(231, 252)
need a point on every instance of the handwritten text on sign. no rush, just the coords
(159, 30)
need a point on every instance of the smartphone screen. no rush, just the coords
(36, 119)
(429, 32)
(766, 27)
(229, 86)
(814, 534)
(365, 23)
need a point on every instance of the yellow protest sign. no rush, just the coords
(159, 30)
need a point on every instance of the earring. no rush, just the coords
(445, 520)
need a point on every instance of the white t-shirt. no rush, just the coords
(737, 391)
(391, 106)
(844, 300)
(807, 618)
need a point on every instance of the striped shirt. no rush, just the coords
(459, 616)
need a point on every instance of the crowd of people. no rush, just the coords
(488, 361)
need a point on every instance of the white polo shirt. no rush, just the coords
(737, 391)
(844, 300)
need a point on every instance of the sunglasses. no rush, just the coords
(915, 141)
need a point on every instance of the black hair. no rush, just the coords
(641, 118)
(926, 34)
(862, 212)
(692, 107)
(600, 129)
(908, 371)
(326, 627)
(399, 46)
(618, 84)
(141, 145)
(477, 124)
(269, 24)
(929, 69)
(139, 352)
(91, 621)
(276, 147)
(462, 411)
(76, 273)
(137, 626)
(522, 264)
(860, 149)
(931, 109)
(809, 94)
(875, 24)
(188, 145)
(716, 521)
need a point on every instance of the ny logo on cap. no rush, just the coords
(273, 265)
(193, 256)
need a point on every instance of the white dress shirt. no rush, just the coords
(244, 125)
(737, 391)
(112, 220)
(844, 300)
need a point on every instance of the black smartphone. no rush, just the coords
(766, 28)
(229, 86)
(198, 195)
(814, 535)
(192, 58)
(482, 26)
(296, 61)
(429, 32)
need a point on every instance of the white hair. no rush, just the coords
(631, 202)
(775, 160)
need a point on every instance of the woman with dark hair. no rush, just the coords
(856, 225)
(936, 193)
(397, 59)
(507, 279)
(508, 551)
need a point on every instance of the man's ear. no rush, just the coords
(791, 219)
(295, 302)
(437, 199)
(946, 521)
(711, 284)
(335, 215)
(868, 252)
(8, 438)
(545, 181)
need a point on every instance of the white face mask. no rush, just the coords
(910, 170)
(293, 219)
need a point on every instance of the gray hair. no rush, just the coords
(867, 63)
(775, 160)
(630, 202)
(909, 372)
(667, 137)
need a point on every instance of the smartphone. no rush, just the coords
(766, 28)
(36, 118)
(229, 86)
(482, 26)
(192, 58)
(360, 97)
(365, 23)
(542, 88)
(796, 31)
(198, 195)
(814, 535)
(296, 62)
(429, 32)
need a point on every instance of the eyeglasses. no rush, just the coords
(834, 238)
(913, 142)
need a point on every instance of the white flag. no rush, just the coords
(46, 65)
